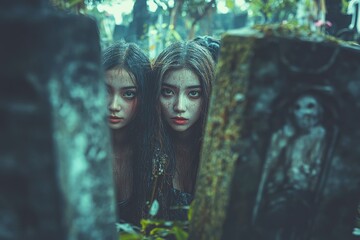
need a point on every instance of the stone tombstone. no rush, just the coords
(55, 168)
(280, 158)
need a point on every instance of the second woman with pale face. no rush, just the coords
(183, 74)
(127, 71)
(122, 99)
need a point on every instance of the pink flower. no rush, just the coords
(321, 23)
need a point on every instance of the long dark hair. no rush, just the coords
(130, 57)
(180, 55)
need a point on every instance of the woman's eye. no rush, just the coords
(194, 94)
(129, 94)
(166, 92)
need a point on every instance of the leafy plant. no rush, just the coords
(156, 229)
(273, 10)
(344, 5)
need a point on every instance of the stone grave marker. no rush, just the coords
(280, 158)
(56, 180)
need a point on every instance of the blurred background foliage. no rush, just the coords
(154, 24)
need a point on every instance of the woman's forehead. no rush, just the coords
(181, 77)
(120, 77)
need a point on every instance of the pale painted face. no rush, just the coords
(122, 98)
(181, 99)
(307, 112)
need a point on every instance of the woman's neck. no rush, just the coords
(184, 138)
(121, 137)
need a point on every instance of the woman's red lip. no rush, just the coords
(115, 119)
(179, 121)
(179, 118)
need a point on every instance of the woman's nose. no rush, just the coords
(114, 105)
(180, 104)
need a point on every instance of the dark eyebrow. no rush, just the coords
(169, 85)
(129, 87)
(195, 86)
(172, 86)
(125, 88)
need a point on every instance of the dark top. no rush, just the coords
(125, 212)
(175, 200)
(179, 203)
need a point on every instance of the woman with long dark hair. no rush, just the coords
(127, 71)
(183, 74)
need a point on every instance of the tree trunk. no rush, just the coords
(206, 12)
(139, 27)
(174, 13)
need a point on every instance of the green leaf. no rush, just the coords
(162, 232)
(154, 209)
(230, 4)
(125, 227)
(179, 233)
(344, 6)
(74, 2)
(176, 35)
(130, 236)
(190, 212)
(144, 223)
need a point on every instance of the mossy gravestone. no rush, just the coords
(54, 147)
(280, 158)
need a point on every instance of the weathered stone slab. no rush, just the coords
(280, 155)
(55, 168)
